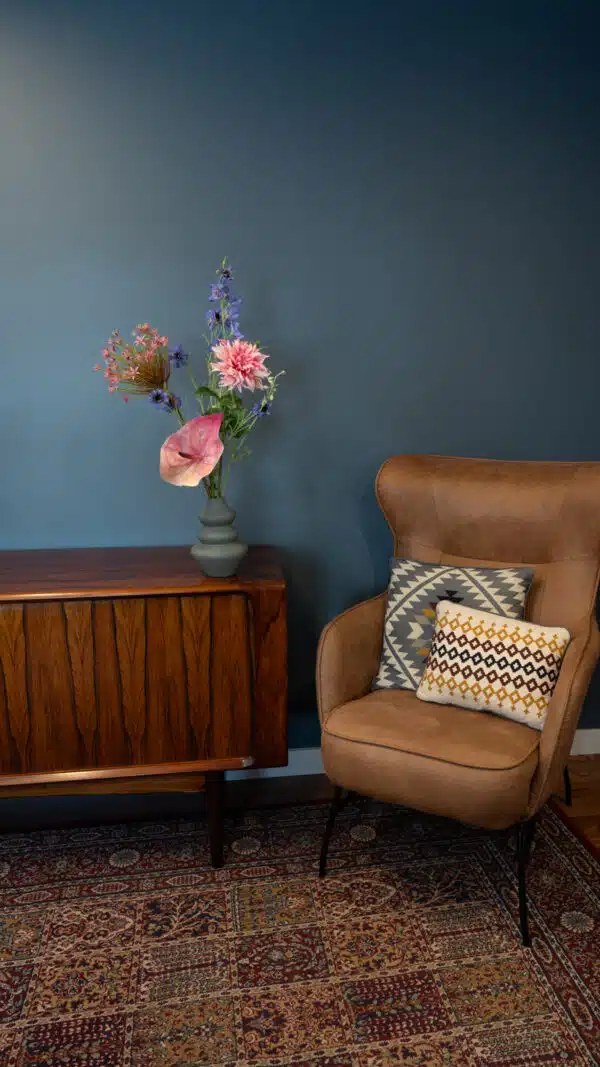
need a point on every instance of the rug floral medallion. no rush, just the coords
(121, 947)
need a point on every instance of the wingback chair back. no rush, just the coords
(501, 513)
(494, 513)
(443, 509)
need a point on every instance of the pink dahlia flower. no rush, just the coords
(240, 365)
(191, 453)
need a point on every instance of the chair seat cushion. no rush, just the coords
(468, 765)
(398, 719)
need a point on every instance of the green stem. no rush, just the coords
(231, 460)
(226, 476)
(212, 483)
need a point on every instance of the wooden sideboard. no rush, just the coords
(126, 665)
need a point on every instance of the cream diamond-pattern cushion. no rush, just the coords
(488, 663)
(414, 592)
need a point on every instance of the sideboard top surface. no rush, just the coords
(66, 573)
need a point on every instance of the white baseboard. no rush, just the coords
(308, 760)
(586, 743)
(300, 761)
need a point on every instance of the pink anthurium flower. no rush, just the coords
(191, 453)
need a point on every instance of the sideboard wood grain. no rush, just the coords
(113, 661)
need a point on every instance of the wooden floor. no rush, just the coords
(584, 813)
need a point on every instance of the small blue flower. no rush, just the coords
(159, 398)
(177, 356)
(215, 319)
(263, 407)
(225, 272)
(219, 292)
(229, 321)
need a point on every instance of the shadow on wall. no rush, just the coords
(305, 574)
(378, 539)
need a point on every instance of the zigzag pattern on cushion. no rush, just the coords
(397, 662)
(414, 590)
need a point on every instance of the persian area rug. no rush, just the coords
(121, 947)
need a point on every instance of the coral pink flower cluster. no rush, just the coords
(240, 365)
(126, 363)
(111, 366)
(149, 339)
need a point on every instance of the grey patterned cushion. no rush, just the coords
(415, 590)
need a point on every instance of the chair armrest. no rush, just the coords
(349, 654)
(575, 675)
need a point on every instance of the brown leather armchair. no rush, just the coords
(478, 768)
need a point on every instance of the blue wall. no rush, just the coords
(409, 193)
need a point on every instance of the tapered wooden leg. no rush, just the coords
(568, 790)
(215, 795)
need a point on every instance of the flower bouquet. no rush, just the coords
(203, 448)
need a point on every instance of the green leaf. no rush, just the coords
(205, 390)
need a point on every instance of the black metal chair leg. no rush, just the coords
(568, 790)
(525, 832)
(336, 805)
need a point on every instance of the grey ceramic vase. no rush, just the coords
(218, 550)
